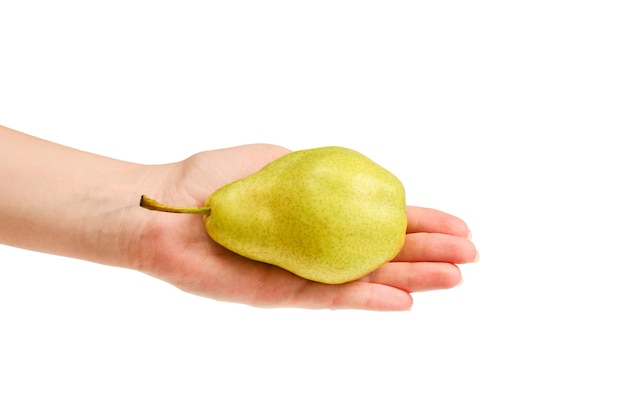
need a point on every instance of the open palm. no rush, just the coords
(178, 250)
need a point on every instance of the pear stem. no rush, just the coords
(149, 203)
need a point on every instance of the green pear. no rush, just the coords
(327, 214)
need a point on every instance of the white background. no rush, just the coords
(510, 115)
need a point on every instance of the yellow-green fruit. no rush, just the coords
(327, 214)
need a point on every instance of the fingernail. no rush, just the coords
(469, 235)
(477, 257)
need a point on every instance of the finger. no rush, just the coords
(417, 277)
(437, 247)
(359, 294)
(431, 220)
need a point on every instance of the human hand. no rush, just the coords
(177, 249)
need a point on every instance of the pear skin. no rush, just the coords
(327, 214)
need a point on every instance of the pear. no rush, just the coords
(327, 214)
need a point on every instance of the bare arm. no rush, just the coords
(63, 201)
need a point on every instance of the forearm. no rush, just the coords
(67, 202)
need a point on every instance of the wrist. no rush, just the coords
(110, 225)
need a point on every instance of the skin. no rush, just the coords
(72, 203)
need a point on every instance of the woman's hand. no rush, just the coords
(177, 249)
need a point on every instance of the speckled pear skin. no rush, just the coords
(327, 214)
